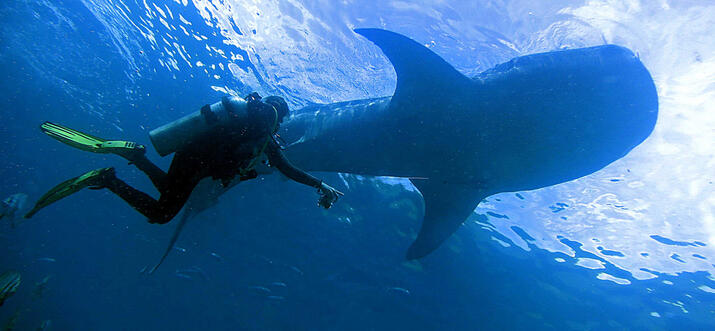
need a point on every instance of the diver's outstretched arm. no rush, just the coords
(275, 156)
(280, 162)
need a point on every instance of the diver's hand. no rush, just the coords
(328, 195)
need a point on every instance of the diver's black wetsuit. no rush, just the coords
(220, 155)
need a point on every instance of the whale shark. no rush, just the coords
(535, 121)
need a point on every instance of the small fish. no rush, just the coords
(142, 270)
(296, 270)
(12, 204)
(279, 284)
(399, 290)
(180, 249)
(46, 259)
(260, 289)
(182, 275)
(218, 257)
(39, 291)
(195, 270)
(45, 325)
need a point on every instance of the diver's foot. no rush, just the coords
(126, 149)
(101, 178)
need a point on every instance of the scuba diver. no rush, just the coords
(224, 141)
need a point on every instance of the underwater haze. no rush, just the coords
(629, 247)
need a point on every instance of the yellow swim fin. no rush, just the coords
(89, 143)
(95, 177)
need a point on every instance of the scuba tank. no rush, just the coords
(173, 136)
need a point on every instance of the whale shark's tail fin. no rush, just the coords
(447, 206)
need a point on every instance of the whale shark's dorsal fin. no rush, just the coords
(447, 206)
(426, 83)
(421, 74)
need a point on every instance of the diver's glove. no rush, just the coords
(328, 195)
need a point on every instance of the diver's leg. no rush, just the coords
(139, 200)
(185, 172)
(162, 211)
(155, 174)
(175, 187)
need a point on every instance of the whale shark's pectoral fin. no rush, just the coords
(420, 72)
(204, 196)
(447, 206)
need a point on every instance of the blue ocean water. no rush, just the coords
(628, 247)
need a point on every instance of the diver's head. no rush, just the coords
(280, 105)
